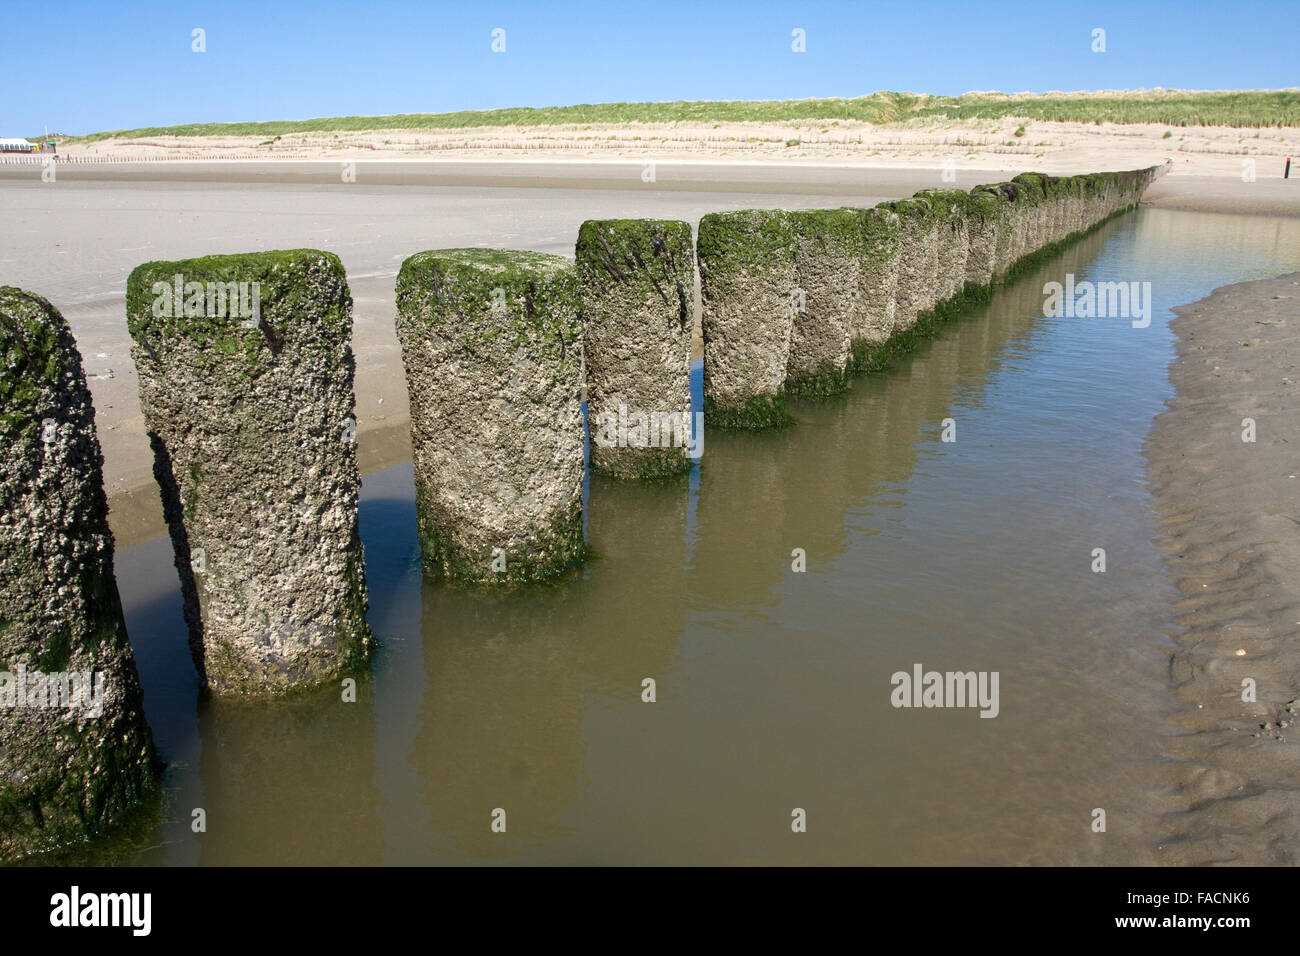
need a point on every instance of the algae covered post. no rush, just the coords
(873, 319)
(492, 345)
(75, 752)
(993, 203)
(985, 218)
(246, 374)
(916, 262)
(637, 280)
(828, 269)
(951, 241)
(748, 285)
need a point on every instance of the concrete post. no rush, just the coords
(873, 320)
(492, 345)
(917, 260)
(747, 283)
(828, 269)
(637, 278)
(246, 373)
(76, 755)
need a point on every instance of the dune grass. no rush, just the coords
(1246, 108)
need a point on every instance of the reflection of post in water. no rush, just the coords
(637, 595)
(510, 676)
(793, 488)
(501, 725)
(289, 781)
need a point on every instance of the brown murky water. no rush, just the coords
(773, 687)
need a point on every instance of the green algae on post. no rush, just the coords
(492, 346)
(828, 269)
(748, 282)
(873, 319)
(246, 374)
(76, 755)
(951, 240)
(917, 260)
(637, 280)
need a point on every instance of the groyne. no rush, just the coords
(797, 301)
(246, 376)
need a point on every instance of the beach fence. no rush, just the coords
(61, 159)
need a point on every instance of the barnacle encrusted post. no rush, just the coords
(76, 755)
(492, 345)
(747, 284)
(828, 269)
(246, 372)
(637, 279)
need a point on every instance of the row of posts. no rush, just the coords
(246, 384)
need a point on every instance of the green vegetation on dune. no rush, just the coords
(1246, 108)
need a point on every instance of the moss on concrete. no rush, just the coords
(536, 307)
(828, 264)
(216, 338)
(746, 239)
(748, 279)
(637, 278)
(67, 773)
(759, 411)
(31, 347)
(492, 345)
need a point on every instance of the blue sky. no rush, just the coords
(91, 67)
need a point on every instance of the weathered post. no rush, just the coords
(75, 752)
(492, 345)
(637, 278)
(747, 283)
(873, 319)
(951, 242)
(1030, 209)
(828, 270)
(1075, 219)
(985, 218)
(246, 373)
(1010, 239)
(917, 260)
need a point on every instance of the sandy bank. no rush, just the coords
(1232, 529)
(1008, 142)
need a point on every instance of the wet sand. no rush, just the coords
(1231, 525)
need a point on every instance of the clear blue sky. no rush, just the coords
(90, 67)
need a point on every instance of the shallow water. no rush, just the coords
(773, 686)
